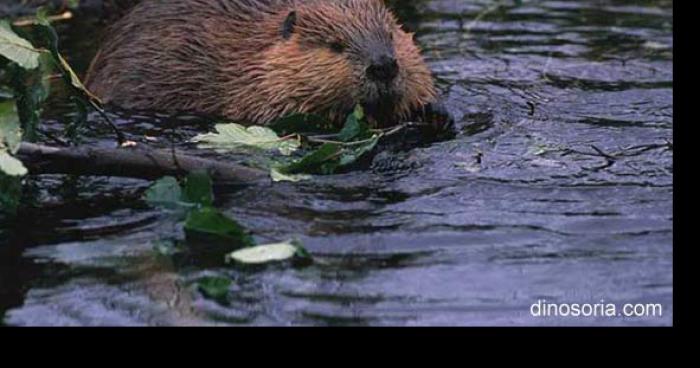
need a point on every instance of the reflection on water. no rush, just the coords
(558, 188)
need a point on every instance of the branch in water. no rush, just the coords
(134, 162)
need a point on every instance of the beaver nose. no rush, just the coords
(384, 69)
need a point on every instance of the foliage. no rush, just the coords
(213, 287)
(10, 192)
(209, 222)
(353, 141)
(231, 136)
(270, 253)
(322, 156)
(198, 189)
(21, 55)
(25, 71)
(16, 48)
(10, 139)
(204, 222)
(17, 56)
(165, 192)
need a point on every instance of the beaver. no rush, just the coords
(255, 61)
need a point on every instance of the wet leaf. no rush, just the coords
(329, 158)
(10, 131)
(194, 203)
(10, 140)
(31, 89)
(11, 166)
(229, 137)
(198, 189)
(356, 140)
(354, 154)
(213, 287)
(165, 192)
(210, 222)
(16, 48)
(10, 193)
(269, 253)
(168, 193)
(324, 160)
(355, 128)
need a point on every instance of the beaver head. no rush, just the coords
(332, 56)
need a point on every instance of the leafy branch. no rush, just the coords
(324, 153)
(25, 73)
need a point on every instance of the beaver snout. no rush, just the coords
(383, 69)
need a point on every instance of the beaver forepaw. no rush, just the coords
(438, 121)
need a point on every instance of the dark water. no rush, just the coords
(558, 188)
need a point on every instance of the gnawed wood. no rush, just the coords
(133, 162)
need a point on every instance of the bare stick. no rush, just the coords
(134, 162)
(24, 22)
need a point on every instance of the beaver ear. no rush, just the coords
(288, 25)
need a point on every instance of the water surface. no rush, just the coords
(558, 187)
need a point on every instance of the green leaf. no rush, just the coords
(31, 89)
(269, 253)
(165, 192)
(194, 202)
(10, 193)
(11, 169)
(355, 128)
(359, 112)
(213, 287)
(10, 131)
(198, 189)
(168, 193)
(17, 49)
(230, 137)
(321, 161)
(351, 155)
(11, 166)
(329, 158)
(210, 222)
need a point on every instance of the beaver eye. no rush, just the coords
(337, 47)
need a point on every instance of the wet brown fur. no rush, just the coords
(230, 58)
